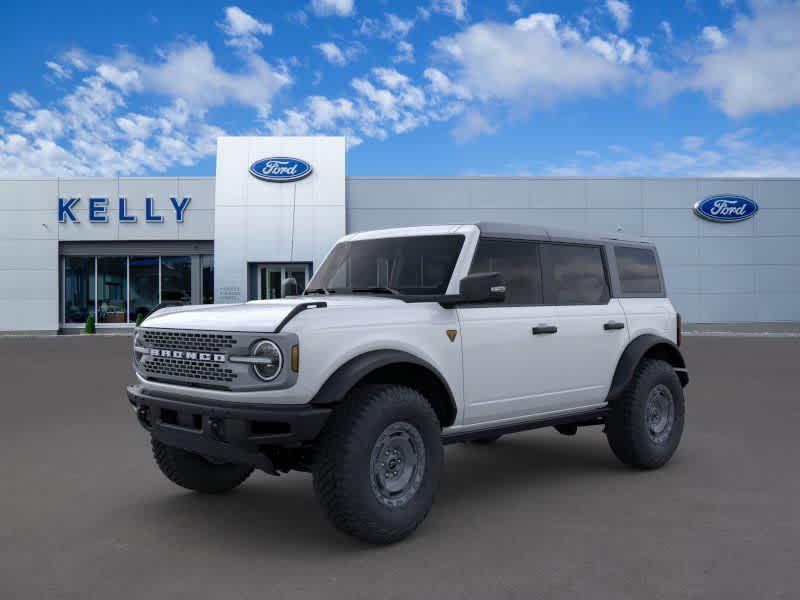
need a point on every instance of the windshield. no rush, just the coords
(400, 265)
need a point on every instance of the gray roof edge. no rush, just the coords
(536, 232)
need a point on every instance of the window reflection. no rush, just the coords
(144, 285)
(78, 288)
(176, 279)
(207, 267)
(112, 289)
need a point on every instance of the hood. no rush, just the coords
(260, 316)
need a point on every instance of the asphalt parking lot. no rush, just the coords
(84, 513)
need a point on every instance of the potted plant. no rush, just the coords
(89, 327)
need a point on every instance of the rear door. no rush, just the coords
(509, 371)
(592, 329)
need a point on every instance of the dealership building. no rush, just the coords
(114, 248)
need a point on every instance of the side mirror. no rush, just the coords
(290, 287)
(482, 287)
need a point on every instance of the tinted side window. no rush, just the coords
(574, 274)
(517, 262)
(638, 271)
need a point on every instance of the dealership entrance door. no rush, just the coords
(272, 275)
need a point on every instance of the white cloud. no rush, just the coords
(22, 100)
(127, 80)
(758, 70)
(90, 131)
(735, 154)
(336, 55)
(715, 37)
(391, 27)
(58, 70)
(621, 11)
(243, 29)
(191, 72)
(441, 84)
(537, 60)
(339, 8)
(398, 27)
(405, 53)
(727, 3)
(453, 8)
(666, 27)
(385, 101)
(692, 143)
(514, 8)
(472, 124)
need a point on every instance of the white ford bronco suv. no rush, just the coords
(406, 340)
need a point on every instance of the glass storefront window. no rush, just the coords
(116, 289)
(78, 288)
(112, 289)
(176, 279)
(207, 269)
(144, 285)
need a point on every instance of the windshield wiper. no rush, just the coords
(319, 290)
(376, 290)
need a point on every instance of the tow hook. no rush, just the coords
(143, 414)
(216, 428)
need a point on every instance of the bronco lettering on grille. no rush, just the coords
(188, 355)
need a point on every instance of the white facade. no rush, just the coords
(716, 272)
(259, 222)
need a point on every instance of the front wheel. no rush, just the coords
(378, 463)
(197, 473)
(645, 423)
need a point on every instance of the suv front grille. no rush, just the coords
(184, 340)
(200, 371)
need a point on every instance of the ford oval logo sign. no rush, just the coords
(726, 209)
(280, 169)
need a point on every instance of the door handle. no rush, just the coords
(540, 329)
(613, 325)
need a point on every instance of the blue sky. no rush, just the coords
(437, 87)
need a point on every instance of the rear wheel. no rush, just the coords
(378, 463)
(645, 423)
(197, 473)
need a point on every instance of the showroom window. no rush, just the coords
(112, 289)
(79, 288)
(115, 290)
(207, 271)
(176, 279)
(144, 285)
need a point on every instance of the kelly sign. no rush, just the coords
(99, 208)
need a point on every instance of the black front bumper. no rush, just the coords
(223, 431)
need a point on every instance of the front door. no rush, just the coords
(272, 276)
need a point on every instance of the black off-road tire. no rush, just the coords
(345, 463)
(194, 472)
(628, 425)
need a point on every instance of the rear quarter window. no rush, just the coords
(638, 271)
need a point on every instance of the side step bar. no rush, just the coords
(595, 416)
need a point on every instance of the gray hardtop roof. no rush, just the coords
(535, 232)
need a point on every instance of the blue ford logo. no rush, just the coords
(726, 209)
(280, 169)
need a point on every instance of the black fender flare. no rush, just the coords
(647, 345)
(347, 376)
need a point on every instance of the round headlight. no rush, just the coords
(270, 360)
